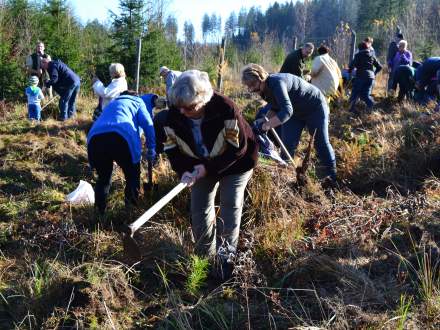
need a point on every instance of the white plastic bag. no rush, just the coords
(83, 194)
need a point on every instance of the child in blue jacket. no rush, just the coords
(34, 96)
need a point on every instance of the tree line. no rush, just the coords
(253, 35)
(87, 49)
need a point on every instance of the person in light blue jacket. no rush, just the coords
(116, 136)
(34, 96)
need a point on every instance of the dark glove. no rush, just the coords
(257, 127)
(150, 155)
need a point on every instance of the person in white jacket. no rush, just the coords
(116, 87)
(325, 73)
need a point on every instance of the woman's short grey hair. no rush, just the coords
(191, 88)
(253, 72)
(404, 43)
(116, 70)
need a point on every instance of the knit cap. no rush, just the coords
(33, 80)
(163, 69)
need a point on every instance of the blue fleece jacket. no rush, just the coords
(427, 71)
(149, 102)
(61, 76)
(127, 116)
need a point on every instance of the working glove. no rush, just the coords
(257, 126)
(189, 178)
(150, 155)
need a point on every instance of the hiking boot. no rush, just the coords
(222, 270)
(224, 263)
(226, 269)
(329, 183)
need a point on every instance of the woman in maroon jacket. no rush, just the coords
(210, 146)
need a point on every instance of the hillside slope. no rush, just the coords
(365, 255)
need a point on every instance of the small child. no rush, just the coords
(34, 95)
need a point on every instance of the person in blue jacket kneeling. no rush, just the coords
(116, 136)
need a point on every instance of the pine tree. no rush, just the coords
(156, 52)
(171, 28)
(62, 34)
(136, 21)
(189, 42)
(231, 25)
(206, 26)
(95, 41)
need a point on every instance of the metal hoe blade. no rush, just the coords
(283, 147)
(132, 252)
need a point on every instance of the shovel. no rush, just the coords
(283, 147)
(131, 248)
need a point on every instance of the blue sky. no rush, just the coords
(183, 10)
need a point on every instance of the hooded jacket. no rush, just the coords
(34, 95)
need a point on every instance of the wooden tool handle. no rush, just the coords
(156, 207)
(159, 204)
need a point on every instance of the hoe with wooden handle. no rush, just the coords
(49, 102)
(131, 248)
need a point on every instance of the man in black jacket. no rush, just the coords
(294, 62)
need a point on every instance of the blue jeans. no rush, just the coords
(362, 88)
(67, 102)
(34, 111)
(391, 83)
(316, 120)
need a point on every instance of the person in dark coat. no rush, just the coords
(211, 147)
(294, 62)
(393, 48)
(65, 82)
(404, 78)
(367, 66)
(426, 79)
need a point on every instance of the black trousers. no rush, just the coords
(102, 150)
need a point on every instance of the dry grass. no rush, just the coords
(363, 256)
